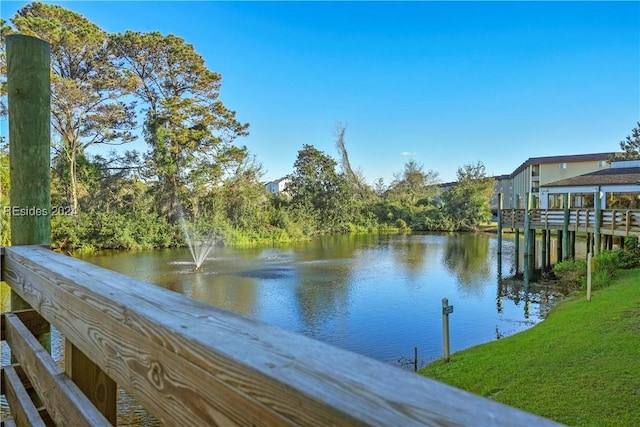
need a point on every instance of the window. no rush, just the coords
(555, 201)
(582, 200)
(602, 164)
(563, 165)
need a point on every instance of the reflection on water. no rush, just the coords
(376, 295)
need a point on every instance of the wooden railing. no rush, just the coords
(619, 222)
(193, 364)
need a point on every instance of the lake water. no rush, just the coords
(380, 296)
(377, 295)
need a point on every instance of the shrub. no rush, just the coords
(629, 257)
(571, 273)
(607, 263)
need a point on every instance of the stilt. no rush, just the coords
(543, 255)
(559, 251)
(596, 226)
(565, 228)
(500, 224)
(517, 248)
(517, 239)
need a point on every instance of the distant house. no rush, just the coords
(537, 172)
(278, 186)
(618, 186)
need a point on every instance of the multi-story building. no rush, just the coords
(539, 171)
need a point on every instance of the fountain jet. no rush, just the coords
(200, 245)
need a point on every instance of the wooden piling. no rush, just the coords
(499, 223)
(559, 239)
(29, 94)
(517, 239)
(543, 255)
(29, 108)
(596, 225)
(565, 227)
(527, 221)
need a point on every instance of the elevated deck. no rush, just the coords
(613, 222)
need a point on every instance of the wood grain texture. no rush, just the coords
(23, 410)
(193, 364)
(29, 101)
(64, 401)
(101, 390)
(36, 324)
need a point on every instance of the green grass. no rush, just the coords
(580, 366)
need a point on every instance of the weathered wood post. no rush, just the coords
(517, 237)
(543, 255)
(499, 223)
(528, 255)
(559, 245)
(597, 223)
(565, 227)
(29, 106)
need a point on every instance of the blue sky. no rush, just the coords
(442, 83)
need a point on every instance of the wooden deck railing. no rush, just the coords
(618, 222)
(193, 364)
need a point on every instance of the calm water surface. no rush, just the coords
(375, 295)
(380, 296)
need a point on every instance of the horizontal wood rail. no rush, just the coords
(617, 222)
(193, 364)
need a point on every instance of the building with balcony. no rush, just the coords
(536, 172)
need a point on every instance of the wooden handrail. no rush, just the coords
(613, 221)
(190, 363)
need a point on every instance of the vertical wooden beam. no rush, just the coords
(565, 227)
(29, 94)
(532, 249)
(101, 390)
(517, 237)
(548, 262)
(543, 256)
(528, 235)
(499, 223)
(598, 222)
(560, 245)
(29, 108)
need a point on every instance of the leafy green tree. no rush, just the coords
(5, 30)
(317, 189)
(414, 185)
(87, 104)
(188, 129)
(631, 144)
(468, 202)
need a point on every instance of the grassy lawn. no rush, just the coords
(581, 366)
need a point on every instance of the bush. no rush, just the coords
(571, 273)
(607, 263)
(629, 257)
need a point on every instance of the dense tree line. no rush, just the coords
(110, 89)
